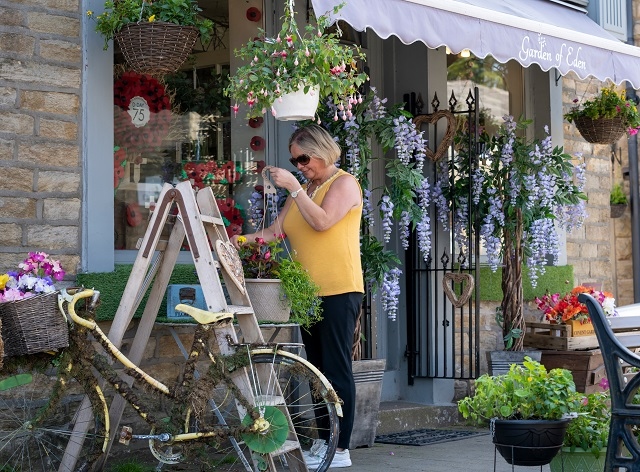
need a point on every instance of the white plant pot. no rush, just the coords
(296, 106)
(267, 301)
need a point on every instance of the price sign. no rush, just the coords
(139, 111)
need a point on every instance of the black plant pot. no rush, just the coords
(529, 442)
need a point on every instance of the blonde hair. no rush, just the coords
(317, 142)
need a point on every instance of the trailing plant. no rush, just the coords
(294, 60)
(526, 392)
(265, 260)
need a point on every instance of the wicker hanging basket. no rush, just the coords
(33, 325)
(156, 47)
(600, 130)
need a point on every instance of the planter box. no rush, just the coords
(561, 338)
(587, 367)
(368, 377)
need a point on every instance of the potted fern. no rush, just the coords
(618, 201)
(303, 65)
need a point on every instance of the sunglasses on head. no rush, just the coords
(302, 159)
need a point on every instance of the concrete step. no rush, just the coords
(398, 416)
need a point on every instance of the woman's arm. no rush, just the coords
(268, 234)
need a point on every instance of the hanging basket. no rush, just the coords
(600, 130)
(33, 325)
(267, 301)
(296, 106)
(156, 47)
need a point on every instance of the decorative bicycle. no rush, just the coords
(254, 408)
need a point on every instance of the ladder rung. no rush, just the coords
(240, 309)
(269, 400)
(212, 219)
(288, 446)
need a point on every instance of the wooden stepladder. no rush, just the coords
(199, 221)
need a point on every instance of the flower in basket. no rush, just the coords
(560, 309)
(607, 104)
(294, 60)
(121, 12)
(263, 260)
(36, 276)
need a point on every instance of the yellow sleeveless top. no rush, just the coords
(332, 257)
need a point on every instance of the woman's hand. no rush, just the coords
(283, 178)
(238, 240)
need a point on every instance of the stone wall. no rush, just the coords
(40, 131)
(589, 249)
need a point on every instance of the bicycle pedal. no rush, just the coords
(126, 434)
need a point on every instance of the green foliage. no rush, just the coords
(590, 430)
(206, 99)
(118, 13)
(301, 292)
(376, 260)
(281, 65)
(130, 465)
(489, 282)
(527, 391)
(607, 104)
(511, 333)
(618, 197)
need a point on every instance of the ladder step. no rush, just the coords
(212, 219)
(269, 400)
(288, 446)
(240, 309)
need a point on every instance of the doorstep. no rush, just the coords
(398, 416)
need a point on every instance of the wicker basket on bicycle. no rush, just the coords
(32, 325)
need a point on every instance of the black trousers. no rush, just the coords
(328, 345)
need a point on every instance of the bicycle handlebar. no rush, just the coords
(71, 296)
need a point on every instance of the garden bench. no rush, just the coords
(623, 451)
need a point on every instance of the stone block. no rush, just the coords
(66, 5)
(53, 24)
(601, 270)
(63, 51)
(58, 129)
(51, 102)
(623, 249)
(8, 96)
(37, 73)
(604, 251)
(17, 207)
(14, 178)
(11, 17)
(589, 251)
(58, 181)
(10, 260)
(50, 154)
(6, 149)
(62, 209)
(11, 234)
(16, 123)
(53, 237)
(17, 44)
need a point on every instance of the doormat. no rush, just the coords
(422, 437)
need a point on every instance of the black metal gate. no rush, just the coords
(442, 340)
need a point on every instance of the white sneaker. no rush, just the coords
(341, 459)
(316, 455)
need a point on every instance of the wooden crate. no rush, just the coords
(559, 337)
(587, 367)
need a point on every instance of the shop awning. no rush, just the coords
(531, 31)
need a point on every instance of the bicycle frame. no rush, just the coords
(258, 422)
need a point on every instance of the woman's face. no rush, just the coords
(314, 169)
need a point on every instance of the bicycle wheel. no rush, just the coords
(291, 395)
(38, 412)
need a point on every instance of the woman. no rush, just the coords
(322, 222)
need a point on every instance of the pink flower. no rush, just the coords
(632, 131)
(604, 383)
